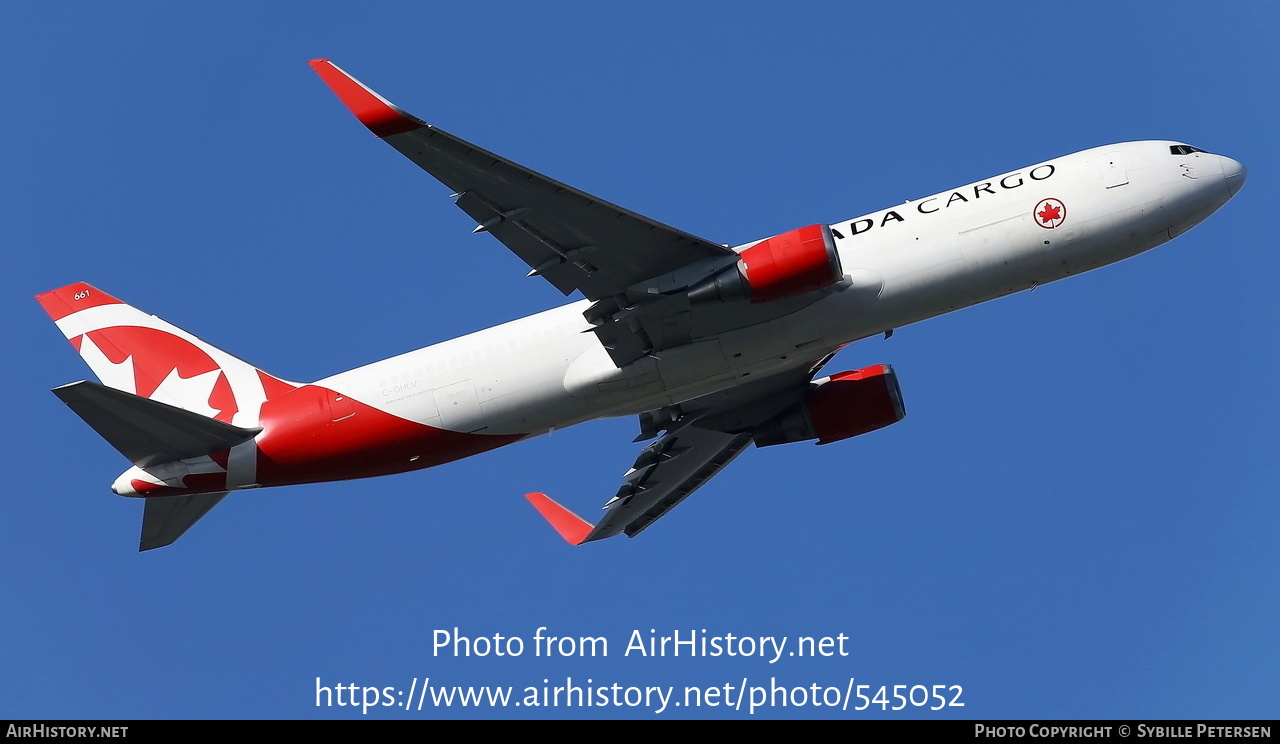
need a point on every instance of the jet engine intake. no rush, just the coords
(838, 407)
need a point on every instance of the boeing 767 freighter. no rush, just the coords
(713, 347)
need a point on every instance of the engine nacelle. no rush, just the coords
(843, 405)
(785, 265)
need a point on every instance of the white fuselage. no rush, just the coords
(914, 261)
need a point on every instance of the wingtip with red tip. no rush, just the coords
(572, 528)
(381, 116)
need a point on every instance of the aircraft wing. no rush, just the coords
(702, 437)
(666, 472)
(573, 239)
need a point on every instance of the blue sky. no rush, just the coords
(1077, 518)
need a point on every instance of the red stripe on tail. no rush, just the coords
(73, 298)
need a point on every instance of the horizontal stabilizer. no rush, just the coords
(149, 432)
(572, 528)
(165, 518)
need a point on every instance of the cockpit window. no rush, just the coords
(1183, 149)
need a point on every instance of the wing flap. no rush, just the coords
(666, 472)
(546, 258)
(544, 221)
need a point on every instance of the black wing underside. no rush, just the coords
(701, 437)
(574, 240)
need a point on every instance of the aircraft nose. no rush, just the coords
(1235, 174)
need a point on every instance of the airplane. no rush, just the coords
(712, 347)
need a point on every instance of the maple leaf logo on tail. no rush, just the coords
(143, 355)
(167, 368)
(1050, 213)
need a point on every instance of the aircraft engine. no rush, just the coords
(843, 405)
(785, 265)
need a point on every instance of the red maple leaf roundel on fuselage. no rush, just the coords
(1050, 213)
